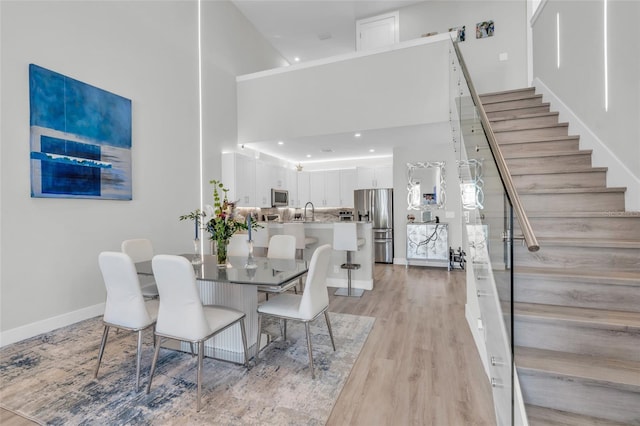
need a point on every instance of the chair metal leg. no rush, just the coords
(243, 331)
(153, 363)
(200, 357)
(138, 359)
(105, 333)
(306, 326)
(284, 329)
(259, 335)
(326, 317)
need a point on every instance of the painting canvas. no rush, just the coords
(80, 139)
(484, 29)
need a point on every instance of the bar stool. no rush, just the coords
(302, 241)
(345, 237)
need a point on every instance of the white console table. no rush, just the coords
(428, 244)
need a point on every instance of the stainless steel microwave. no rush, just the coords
(279, 197)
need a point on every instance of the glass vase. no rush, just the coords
(221, 252)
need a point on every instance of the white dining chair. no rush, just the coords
(282, 247)
(140, 250)
(302, 240)
(238, 245)
(125, 307)
(306, 307)
(260, 237)
(181, 315)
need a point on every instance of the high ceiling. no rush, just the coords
(316, 29)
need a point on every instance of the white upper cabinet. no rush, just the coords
(325, 188)
(264, 179)
(303, 189)
(239, 176)
(291, 185)
(374, 177)
(347, 186)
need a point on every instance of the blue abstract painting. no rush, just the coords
(80, 139)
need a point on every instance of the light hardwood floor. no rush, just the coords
(419, 365)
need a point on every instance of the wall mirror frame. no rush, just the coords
(426, 185)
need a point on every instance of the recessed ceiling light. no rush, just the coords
(357, 135)
(308, 155)
(280, 143)
(372, 150)
(297, 59)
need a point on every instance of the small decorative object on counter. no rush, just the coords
(456, 258)
(411, 218)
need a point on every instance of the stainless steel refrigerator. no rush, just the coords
(376, 206)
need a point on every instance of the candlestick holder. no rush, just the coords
(251, 263)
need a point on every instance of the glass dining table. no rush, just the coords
(236, 286)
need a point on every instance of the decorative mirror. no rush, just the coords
(426, 188)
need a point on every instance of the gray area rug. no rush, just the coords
(50, 378)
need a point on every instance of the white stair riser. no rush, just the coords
(608, 227)
(530, 134)
(516, 112)
(572, 202)
(556, 291)
(579, 338)
(539, 147)
(578, 395)
(591, 179)
(521, 103)
(525, 123)
(578, 258)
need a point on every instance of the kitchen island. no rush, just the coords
(337, 277)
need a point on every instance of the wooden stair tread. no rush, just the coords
(532, 127)
(588, 242)
(577, 190)
(582, 366)
(596, 318)
(586, 169)
(524, 97)
(524, 116)
(538, 154)
(510, 91)
(542, 416)
(582, 275)
(540, 139)
(583, 214)
(515, 111)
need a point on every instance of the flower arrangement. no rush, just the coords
(220, 220)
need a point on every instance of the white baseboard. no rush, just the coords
(30, 330)
(618, 174)
(400, 261)
(342, 282)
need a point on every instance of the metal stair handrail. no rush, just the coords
(529, 236)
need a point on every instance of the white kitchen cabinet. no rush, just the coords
(239, 177)
(264, 182)
(303, 189)
(291, 185)
(347, 186)
(324, 188)
(374, 177)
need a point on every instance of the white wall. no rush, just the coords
(392, 88)
(147, 52)
(436, 147)
(489, 74)
(577, 88)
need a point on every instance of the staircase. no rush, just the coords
(577, 300)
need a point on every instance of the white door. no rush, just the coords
(377, 31)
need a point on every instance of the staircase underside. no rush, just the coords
(577, 300)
